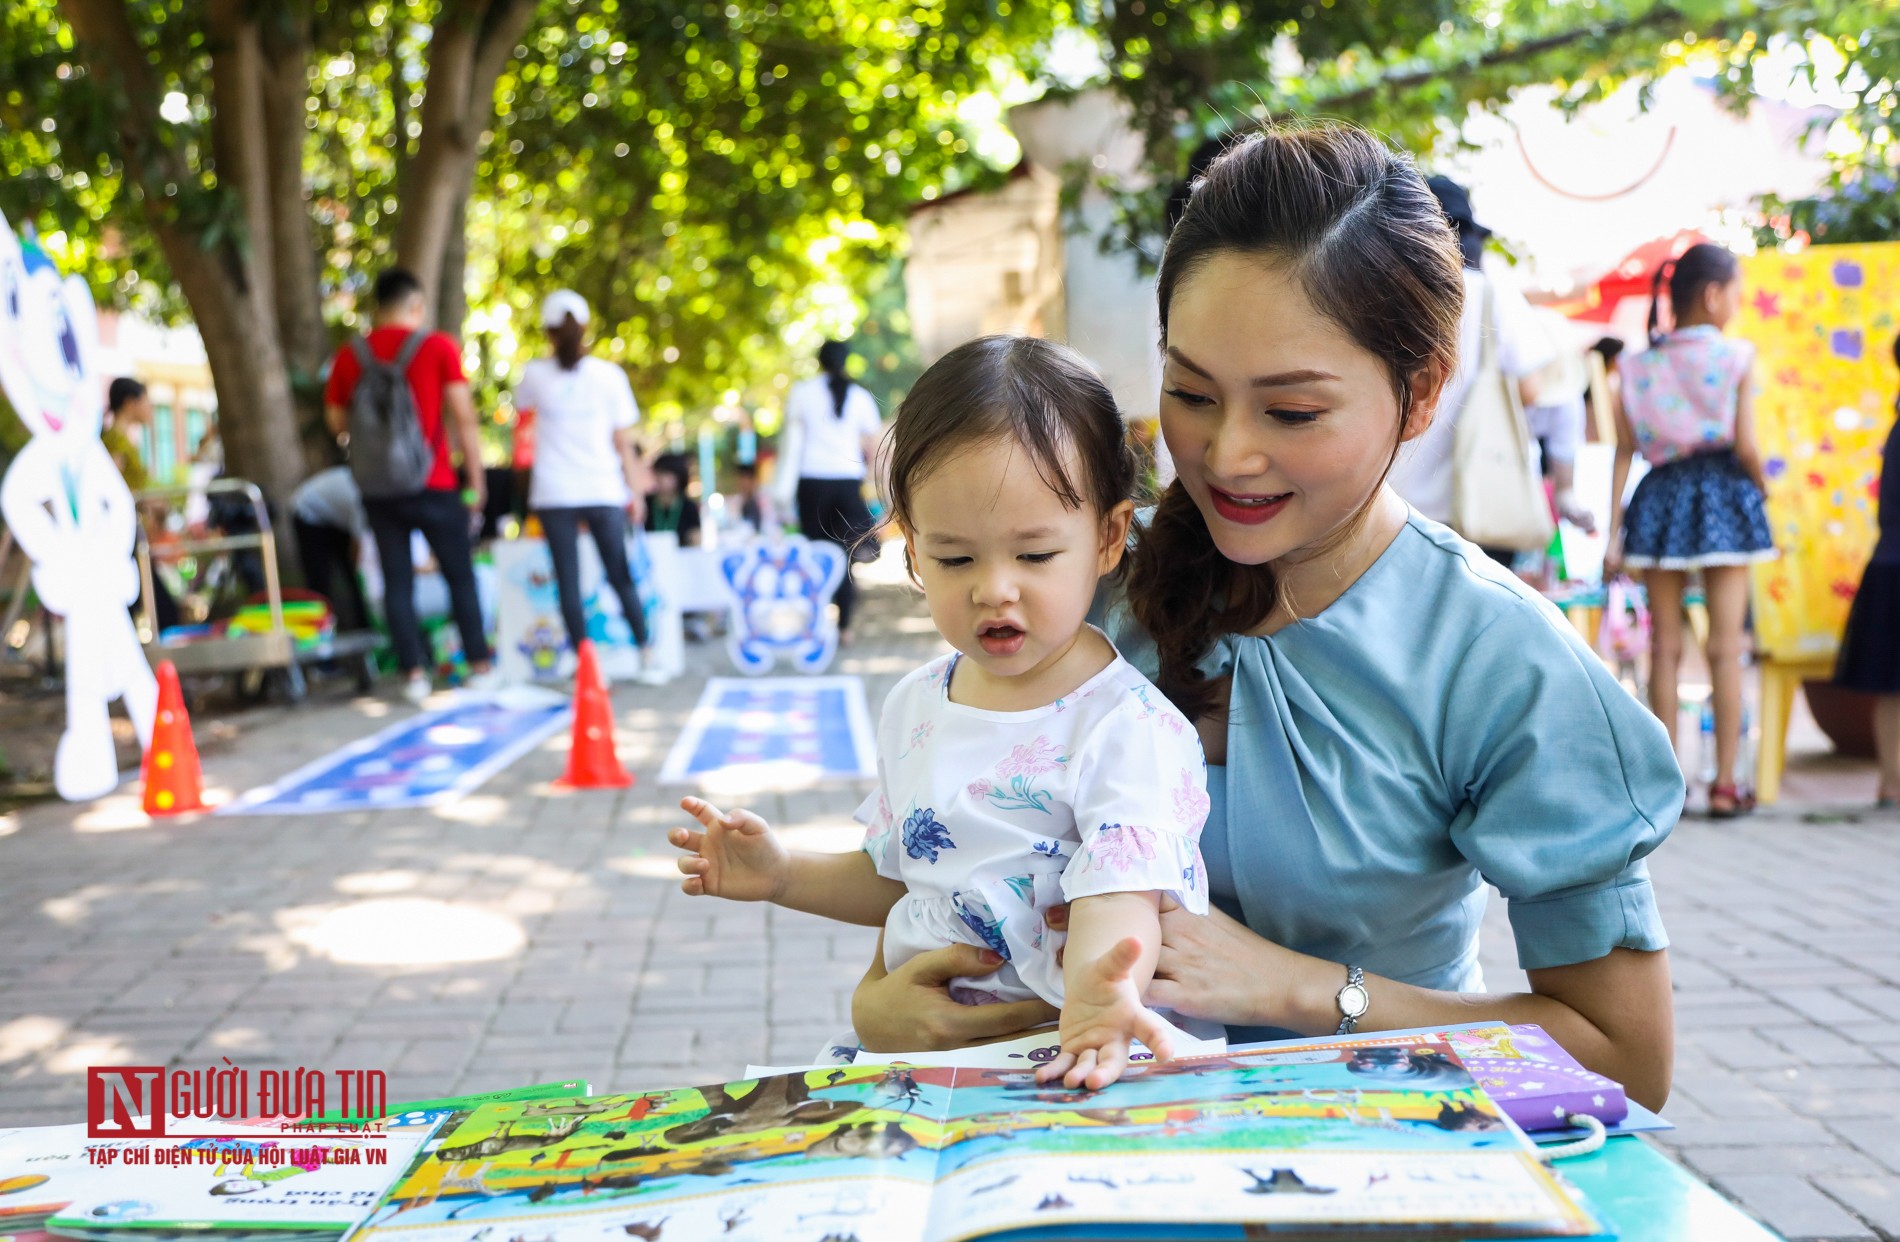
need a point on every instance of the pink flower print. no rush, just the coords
(883, 817)
(919, 734)
(1190, 803)
(979, 789)
(1031, 759)
(1120, 847)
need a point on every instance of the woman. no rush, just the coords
(833, 430)
(587, 468)
(1390, 719)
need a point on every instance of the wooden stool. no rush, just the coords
(1780, 679)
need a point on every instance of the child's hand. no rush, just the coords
(738, 857)
(1099, 1019)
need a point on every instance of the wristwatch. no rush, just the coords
(1353, 1000)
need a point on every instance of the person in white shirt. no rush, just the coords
(587, 465)
(1422, 473)
(832, 430)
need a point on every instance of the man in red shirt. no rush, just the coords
(444, 517)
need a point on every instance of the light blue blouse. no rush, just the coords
(1439, 726)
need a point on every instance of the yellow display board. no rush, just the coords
(1823, 323)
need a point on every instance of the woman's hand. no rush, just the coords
(1214, 968)
(909, 1009)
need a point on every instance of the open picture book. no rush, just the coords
(1383, 1136)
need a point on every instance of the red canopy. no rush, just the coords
(1631, 277)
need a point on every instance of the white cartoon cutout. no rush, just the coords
(70, 511)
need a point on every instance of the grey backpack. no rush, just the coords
(389, 455)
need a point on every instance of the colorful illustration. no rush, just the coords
(1538, 1084)
(1823, 323)
(1357, 1134)
(421, 761)
(532, 645)
(804, 728)
(780, 590)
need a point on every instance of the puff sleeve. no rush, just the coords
(1567, 783)
(1140, 800)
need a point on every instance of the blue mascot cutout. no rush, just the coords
(780, 592)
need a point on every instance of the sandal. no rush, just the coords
(1740, 802)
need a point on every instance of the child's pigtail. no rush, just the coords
(1655, 303)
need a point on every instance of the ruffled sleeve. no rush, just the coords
(879, 838)
(1140, 800)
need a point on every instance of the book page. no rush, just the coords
(838, 1151)
(1345, 1136)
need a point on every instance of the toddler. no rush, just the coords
(1032, 766)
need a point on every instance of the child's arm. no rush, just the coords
(1747, 447)
(1107, 964)
(740, 858)
(1619, 479)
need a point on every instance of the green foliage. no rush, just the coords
(727, 184)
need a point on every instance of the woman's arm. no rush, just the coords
(639, 476)
(1614, 1014)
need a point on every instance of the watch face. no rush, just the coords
(1354, 1000)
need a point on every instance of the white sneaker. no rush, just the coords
(651, 677)
(490, 680)
(416, 689)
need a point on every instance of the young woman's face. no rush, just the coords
(1008, 570)
(1280, 425)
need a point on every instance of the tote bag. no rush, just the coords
(1497, 500)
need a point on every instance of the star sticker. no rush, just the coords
(1533, 1086)
(1767, 305)
(1597, 1100)
(1558, 1111)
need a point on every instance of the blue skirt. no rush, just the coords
(1695, 512)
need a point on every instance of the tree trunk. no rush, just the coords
(467, 51)
(451, 300)
(299, 294)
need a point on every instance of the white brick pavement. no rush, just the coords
(525, 935)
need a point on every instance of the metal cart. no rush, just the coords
(267, 661)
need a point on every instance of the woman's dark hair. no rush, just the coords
(1608, 347)
(1700, 266)
(832, 356)
(1374, 253)
(570, 342)
(1035, 393)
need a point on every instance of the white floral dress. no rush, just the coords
(990, 818)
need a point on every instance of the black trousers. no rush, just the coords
(329, 569)
(608, 526)
(834, 510)
(444, 522)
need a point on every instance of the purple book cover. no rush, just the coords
(1534, 1080)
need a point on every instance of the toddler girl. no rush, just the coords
(1032, 766)
(1687, 405)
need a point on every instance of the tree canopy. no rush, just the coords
(725, 183)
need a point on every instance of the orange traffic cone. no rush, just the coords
(591, 762)
(173, 784)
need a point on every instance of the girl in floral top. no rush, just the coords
(1687, 404)
(1032, 766)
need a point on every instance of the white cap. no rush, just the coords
(560, 304)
